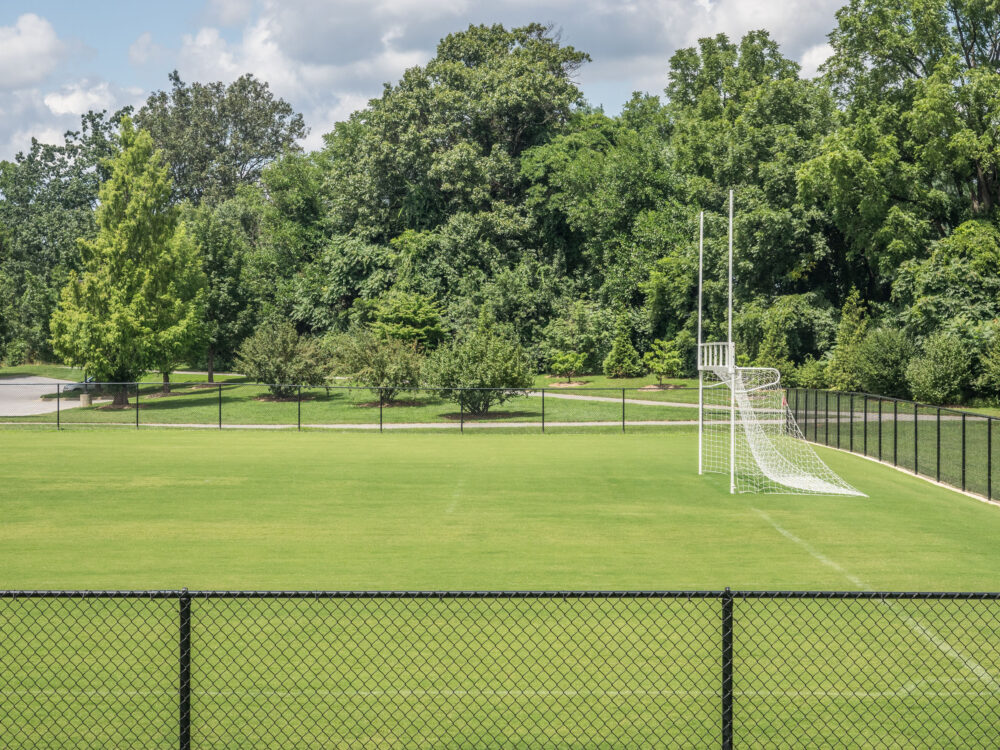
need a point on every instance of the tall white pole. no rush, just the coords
(732, 362)
(701, 374)
(731, 270)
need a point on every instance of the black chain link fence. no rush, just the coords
(948, 445)
(343, 407)
(498, 669)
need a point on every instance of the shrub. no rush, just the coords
(488, 358)
(881, 360)
(623, 360)
(663, 360)
(989, 366)
(812, 373)
(389, 364)
(276, 355)
(940, 373)
(567, 364)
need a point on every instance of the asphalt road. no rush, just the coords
(22, 396)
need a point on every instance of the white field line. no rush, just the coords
(456, 496)
(914, 625)
(425, 693)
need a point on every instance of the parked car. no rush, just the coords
(84, 386)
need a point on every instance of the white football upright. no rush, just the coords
(745, 428)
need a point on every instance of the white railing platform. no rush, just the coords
(716, 356)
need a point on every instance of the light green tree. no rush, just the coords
(842, 371)
(135, 304)
(663, 360)
(567, 364)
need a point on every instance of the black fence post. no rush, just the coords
(543, 410)
(963, 451)
(381, 401)
(184, 672)
(865, 427)
(850, 422)
(916, 421)
(137, 406)
(838, 419)
(895, 430)
(623, 410)
(220, 406)
(989, 459)
(880, 429)
(461, 414)
(727, 669)
(937, 473)
(826, 418)
(58, 405)
(299, 407)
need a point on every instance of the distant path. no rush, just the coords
(611, 399)
(23, 398)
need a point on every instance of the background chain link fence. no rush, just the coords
(498, 669)
(948, 445)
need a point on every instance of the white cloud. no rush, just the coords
(29, 51)
(813, 57)
(229, 12)
(144, 50)
(80, 97)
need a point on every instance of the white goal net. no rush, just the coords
(761, 447)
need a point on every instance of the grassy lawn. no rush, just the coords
(263, 510)
(244, 404)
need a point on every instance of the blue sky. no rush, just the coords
(327, 57)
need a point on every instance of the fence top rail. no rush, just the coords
(486, 594)
(918, 404)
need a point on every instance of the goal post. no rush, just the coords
(745, 427)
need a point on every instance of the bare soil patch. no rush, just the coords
(571, 384)
(271, 398)
(456, 416)
(664, 387)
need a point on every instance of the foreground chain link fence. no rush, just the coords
(179, 669)
(948, 445)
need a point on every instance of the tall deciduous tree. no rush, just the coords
(217, 137)
(136, 302)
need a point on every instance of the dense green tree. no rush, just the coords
(48, 195)
(881, 362)
(136, 301)
(409, 317)
(217, 137)
(843, 371)
(943, 369)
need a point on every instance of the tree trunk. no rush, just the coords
(166, 382)
(211, 363)
(121, 396)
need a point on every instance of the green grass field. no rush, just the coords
(264, 510)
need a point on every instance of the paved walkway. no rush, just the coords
(22, 397)
(612, 399)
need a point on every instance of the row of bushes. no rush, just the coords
(488, 358)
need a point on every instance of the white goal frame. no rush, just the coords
(745, 427)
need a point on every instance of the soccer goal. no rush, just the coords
(745, 428)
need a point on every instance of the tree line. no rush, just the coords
(481, 205)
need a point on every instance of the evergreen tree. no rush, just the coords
(623, 360)
(134, 305)
(842, 372)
